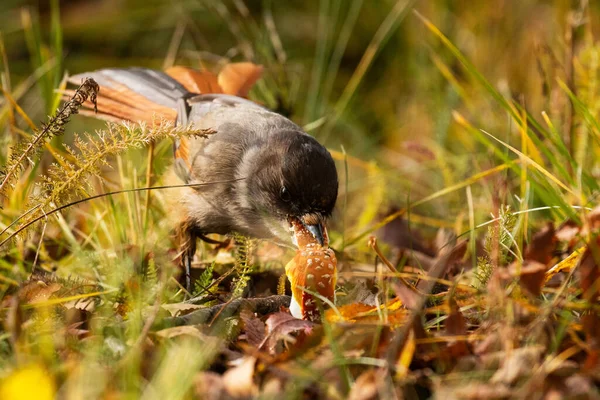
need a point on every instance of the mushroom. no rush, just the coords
(314, 268)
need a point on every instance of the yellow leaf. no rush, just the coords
(406, 356)
(567, 264)
(358, 312)
(32, 382)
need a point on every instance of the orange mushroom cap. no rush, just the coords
(314, 268)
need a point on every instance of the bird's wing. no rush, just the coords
(214, 111)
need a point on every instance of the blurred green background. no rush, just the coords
(397, 111)
(400, 106)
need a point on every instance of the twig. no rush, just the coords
(57, 209)
(259, 305)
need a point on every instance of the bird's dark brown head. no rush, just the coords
(309, 178)
(298, 179)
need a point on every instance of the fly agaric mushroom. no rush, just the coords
(314, 268)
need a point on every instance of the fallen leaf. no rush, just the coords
(594, 218)
(567, 232)
(357, 312)
(253, 327)
(406, 356)
(542, 245)
(280, 326)
(209, 386)
(575, 386)
(589, 273)
(517, 364)
(176, 309)
(365, 387)
(239, 380)
(567, 264)
(184, 330)
(531, 275)
(481, 391)
(456, 324)
(38, 291)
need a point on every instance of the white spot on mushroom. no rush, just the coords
(321, 284)
(310, 277)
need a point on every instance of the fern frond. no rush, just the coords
(72, 176)
(29, 151)
(202, 284)
(242, 264)
(152, 272)
(497, 242)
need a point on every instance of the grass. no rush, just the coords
(458, 122)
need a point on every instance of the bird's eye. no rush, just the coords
(284, 194)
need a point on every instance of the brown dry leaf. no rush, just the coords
(589, 278)
(239, 380)
(187, 330)
(406, 294)
(238, 78)
(575, 386)
(272, 388)
(176, 309)
(209, 386)
(456, 324)
(254, 327)
(589, 273)
(38, 291)
(594, 218)
(479, 391)
(280, 326)
(543, 245)
(531, 275)
(567, 232)
(365, 387)
(517, 364)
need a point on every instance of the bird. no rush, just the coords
(269, 172)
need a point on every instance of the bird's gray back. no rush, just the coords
(238, 123)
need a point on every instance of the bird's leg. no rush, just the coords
(208, 240)
(187, 249)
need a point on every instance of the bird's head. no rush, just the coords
(296, 179)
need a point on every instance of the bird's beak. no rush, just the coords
(317, 230)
